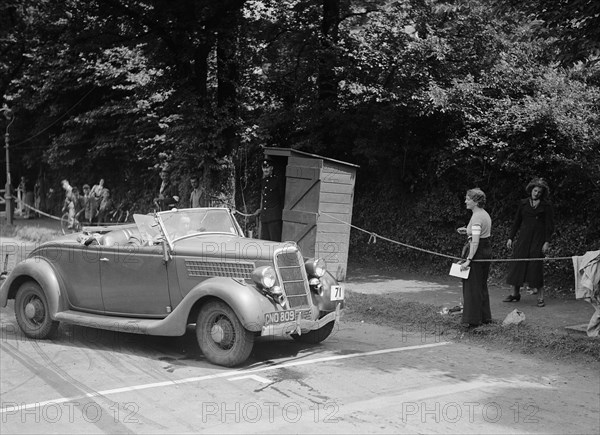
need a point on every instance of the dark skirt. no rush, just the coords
(476, 299)
(530, 272)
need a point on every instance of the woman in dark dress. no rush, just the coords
(476, 299)
(534, 221)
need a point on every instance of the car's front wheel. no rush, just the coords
(32, 311)
(316, 335)
(221, 336)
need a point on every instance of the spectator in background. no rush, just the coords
(20, 197)
(78, 203)
(168, 194)
(198, 196)
(97, 189)
(68, 205)
(51, 201)
(90, 205)
(38, 195)
(105, 207)
(66, 187)
(534, 221)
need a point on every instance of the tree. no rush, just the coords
(429, 97)
(572, 26)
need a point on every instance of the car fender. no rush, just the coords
(323, 301)
(36, 269)
(245, 300)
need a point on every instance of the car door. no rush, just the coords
(79, 267)
(134, 281)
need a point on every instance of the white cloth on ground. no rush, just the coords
(587, 286)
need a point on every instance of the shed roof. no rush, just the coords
(288, 152)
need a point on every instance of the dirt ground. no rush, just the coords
(559, 315)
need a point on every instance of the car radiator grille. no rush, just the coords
(228, 270)
(292, 278)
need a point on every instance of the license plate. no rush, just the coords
(280, 317)
(337, 293)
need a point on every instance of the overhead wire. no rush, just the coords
(56, 120)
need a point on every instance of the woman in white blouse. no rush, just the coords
(476, 299)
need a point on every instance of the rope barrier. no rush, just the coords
(40, 212)
(374, 236)
(59, 219)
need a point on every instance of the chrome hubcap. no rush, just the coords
(223, 333)
(217, 333)
(34, 309)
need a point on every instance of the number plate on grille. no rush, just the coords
(280, 317)
(337, 293)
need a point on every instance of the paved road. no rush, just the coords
(363, 379)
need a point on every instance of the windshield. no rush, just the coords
(194, 221)
(148, 227)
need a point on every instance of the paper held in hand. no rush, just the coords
(455, 271)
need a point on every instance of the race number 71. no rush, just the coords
(337, 293)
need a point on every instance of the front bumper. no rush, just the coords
(300, 326)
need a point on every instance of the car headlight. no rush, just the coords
(315, 267)
(277, 294)
(316, 286)
(264, 276)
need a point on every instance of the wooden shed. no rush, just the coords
(319, 193)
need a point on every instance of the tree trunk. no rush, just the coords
(227, 101)
(327, 81)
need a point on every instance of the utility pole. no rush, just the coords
(8, 192)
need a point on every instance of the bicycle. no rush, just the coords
(68, 229)
(121, 214)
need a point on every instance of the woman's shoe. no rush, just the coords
(511, 298)
(541, 303)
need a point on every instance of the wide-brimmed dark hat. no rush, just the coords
(538, 182)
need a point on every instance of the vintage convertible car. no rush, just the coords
(173, 269)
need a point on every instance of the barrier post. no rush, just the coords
(8, 191)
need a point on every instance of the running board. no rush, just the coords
(129, 325)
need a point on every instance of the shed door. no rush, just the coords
(300, 210)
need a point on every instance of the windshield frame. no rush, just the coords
(170, 235)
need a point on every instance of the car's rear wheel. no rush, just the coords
(32, 311)
(221, 336)
(316, 335)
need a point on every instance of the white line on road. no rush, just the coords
(15, 409)
(255, 377)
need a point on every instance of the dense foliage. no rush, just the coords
(429, 97)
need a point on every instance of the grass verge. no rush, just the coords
(30, 233)
(426, 319)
